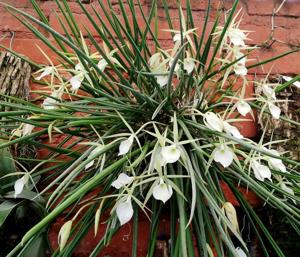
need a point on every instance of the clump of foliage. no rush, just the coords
(144, 127)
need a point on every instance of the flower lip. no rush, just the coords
(124, 210)
(170, 153)
(162, 191)
(224, 155)
(122, 180)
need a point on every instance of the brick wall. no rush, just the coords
(258, 16)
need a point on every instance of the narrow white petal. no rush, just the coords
(243, 107)
(224, 155)
(274, 110)
(122, 180)
(170, 153)
(268, 92)
(240, 252)
(47, 71)
(232, 130)
(296, 83)
(124, 211)
(213, 122)
(177, 37)
(162, 192)
(125, 146)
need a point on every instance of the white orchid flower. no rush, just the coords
(102, 64)
(243, 107)
(240, 252)
(27, 129)
(261, 171)
(124, 210)
(288, 79)
(240, 69)
(275, 163)
(158, 65)
(76, 81)
(213, 122)
(229, 129)
(50, 103)
(236, 36)
(20, 183)
(162, 80)
(170, 153)
(223, 154)
(125, 145)
(274, 110)
(268, 92)
(189, 65)
(159, 161)
(46, 71)
(162, 191)
(122, 180)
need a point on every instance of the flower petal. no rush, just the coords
(125, 146)
(64, 234)
(76, 81)
(188, 65)
(240, 69)
(268, 92)
(122, 180)
(213, 122)
(124, 211)
(240, 252)
(47, 71)
(162, 80)
(243, 107)
(102, 64)
(229, 129)
(27, 129)
(162, 192)
(19, 185)
(274, 110)
(261, 172)
(170, 153)
(224, 155)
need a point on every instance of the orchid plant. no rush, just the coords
(144, 127)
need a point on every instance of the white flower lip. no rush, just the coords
(125, 146)
(170, 153)
(162, 191)
(122, 180)
(224, 155)
(124, 211)
(19, 184)
(274, 110)
(229, 129)
(240, 252)
(261, 171)
(243, 107)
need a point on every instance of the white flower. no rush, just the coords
(213, 122)
(240, 252)
(261, 172)
(274, 110)
(170, 153)
(124, 210)
(159, 161)
(243, 107)
(177, 37)
(176, 65)
(188, 65)
(240, 69)
(102, 64)
(19, 184)
(47, 71)
(76, 81)
(229, 129)
(268, 92)
(162, 191)
(236, 36)
(50, 103)
(224, 155)
(122, 180)
(275, 163)
(162, 80)
(296, 83)
(125, 145)
(64, 234)
(27, 129)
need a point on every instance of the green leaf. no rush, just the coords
(5, 209)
